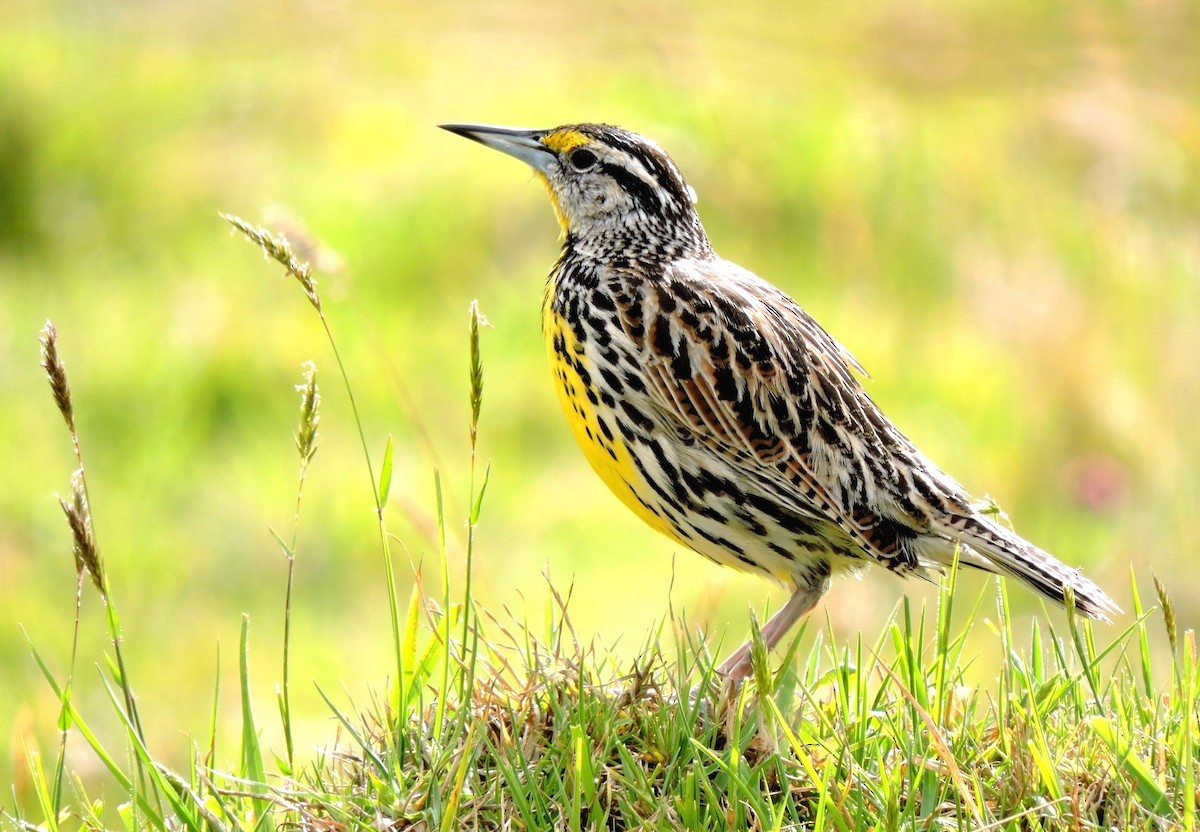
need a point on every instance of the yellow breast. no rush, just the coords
(605, 451)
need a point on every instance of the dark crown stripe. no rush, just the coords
(635, 186)
(663, 172)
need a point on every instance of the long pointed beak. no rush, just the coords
(525, 145)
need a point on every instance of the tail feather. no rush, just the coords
(1007, 553)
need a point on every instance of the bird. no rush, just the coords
(720, 412)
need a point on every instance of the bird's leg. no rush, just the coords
(737, 666)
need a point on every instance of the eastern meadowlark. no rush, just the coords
(720, 411)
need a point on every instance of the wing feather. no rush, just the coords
(737, 367)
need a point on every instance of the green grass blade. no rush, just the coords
(1187, 750)
(42, 790)
(477, 505)
(252, 757)
(159, 785)
(366, 747)
(1143, 636)
(1146, 785)
(212, 723)
(385, 474)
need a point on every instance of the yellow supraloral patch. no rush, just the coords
(560, 141)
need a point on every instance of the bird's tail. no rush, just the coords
(1007, 553)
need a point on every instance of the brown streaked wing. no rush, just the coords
(739, 367)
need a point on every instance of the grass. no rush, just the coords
(497, 722)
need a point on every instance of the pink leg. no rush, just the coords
(737, 666)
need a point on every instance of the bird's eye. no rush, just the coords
(582, 159)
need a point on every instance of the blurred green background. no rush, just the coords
(995, 206)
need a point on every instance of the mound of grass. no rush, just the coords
(495, 722)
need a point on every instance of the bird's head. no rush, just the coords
(604, 182)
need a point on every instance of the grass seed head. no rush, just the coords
(56, 372)
(477, 320)
(79, 518)
(1168, 611)
(279, 250)
(310, 412)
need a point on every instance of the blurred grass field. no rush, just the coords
(996, 207)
